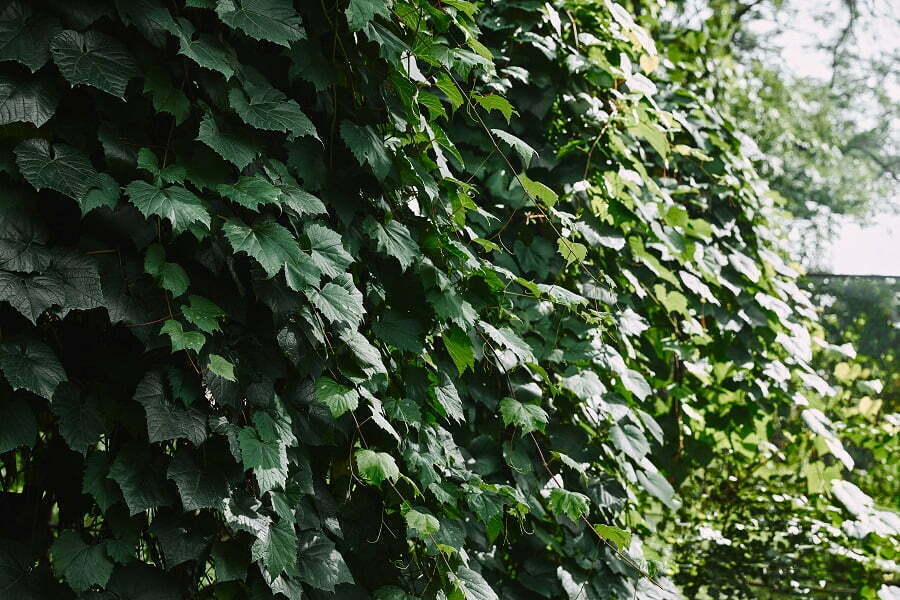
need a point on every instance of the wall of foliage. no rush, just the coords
(391, 300)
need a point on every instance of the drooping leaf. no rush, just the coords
(564, 503)
(29, 101)
(166, 420)
(473, 586)
(181, 339)
(81, 565)
(265, 20)
(337, 398)
(277, 548)
(25, 36)
(204, 49)
(31, 365)
(59, 167)
(376, 467)
(360, 12)
(250, 192)
(266, 241)
(200, 485)
(221, 367)
(81, 417)
(95, 59)
(19, 425)
(367, 146)
(269, 109)
(459, 347)
(620, 538)
(320, 564)
(202, 313)
(528, 417)
(337, 304)
(394, 239)
(424, 524)
(234, 146)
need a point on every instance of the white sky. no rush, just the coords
(873, 249)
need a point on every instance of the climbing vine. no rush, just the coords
(410, 299)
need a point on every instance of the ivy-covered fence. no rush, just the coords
(393, 300)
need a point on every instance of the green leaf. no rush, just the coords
(265, 20)
(266, 455)
(301, 273)
(496, 102)
(266, 241)
(202, 313)
(31, 365)
(360, 12)
(133, 471)
(376, 467)
(105, 193)
(221, 367)
(448, 398)
(525, 152)
(19, 425)
(173, 278)
(95, 483)
(166, 420)
(30, 101)
(473, 586)
(635, 383)
(82, 566)
(250, 192)
(235, 147)
(321, 565)
(394, 239)
(231, 560)
(537, 190)
(446, 84)
(59, 167)
(200, 485)
(95, 59)
(277, 548)
(32, 295)
(24, 36)
(165, 96)
(507, 338)
(529, 417)
(630, 440)
(399, 331)
(337, 304)
(569, 504)
(182, 340)
(424, 525)
(205, 50)
(81, 417)
(459, 347)
(327, 250)
(571, 251)
(337, 398)
(175, 203)
(269, 109)
(618, 537)
(368, 147)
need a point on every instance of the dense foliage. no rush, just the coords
(394, 300)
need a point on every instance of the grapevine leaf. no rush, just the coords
(250, 192)
(202, 313)
(337, 398)
(327, 250)
(337, 304)
(376, 467)
(175, 203)
(273, 21)
(31, 365)
(59, 167)
(165, 419)
(266, 241)
(234, 146)
(79, 564)
(205, 50)
(528, 417)
(199, 485)
(267, 108)
(564, 503)
(367, 146)
(473, 586)
(320, 564)
(32, 101)
(360, 12)
(24, 36)
(221, 367)
(620, 538)
(459, 347)
(19, 425)
(394, 240)
(424, 524)
(81, 417)
(95, 59)
(277, 548)
(182, 340)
